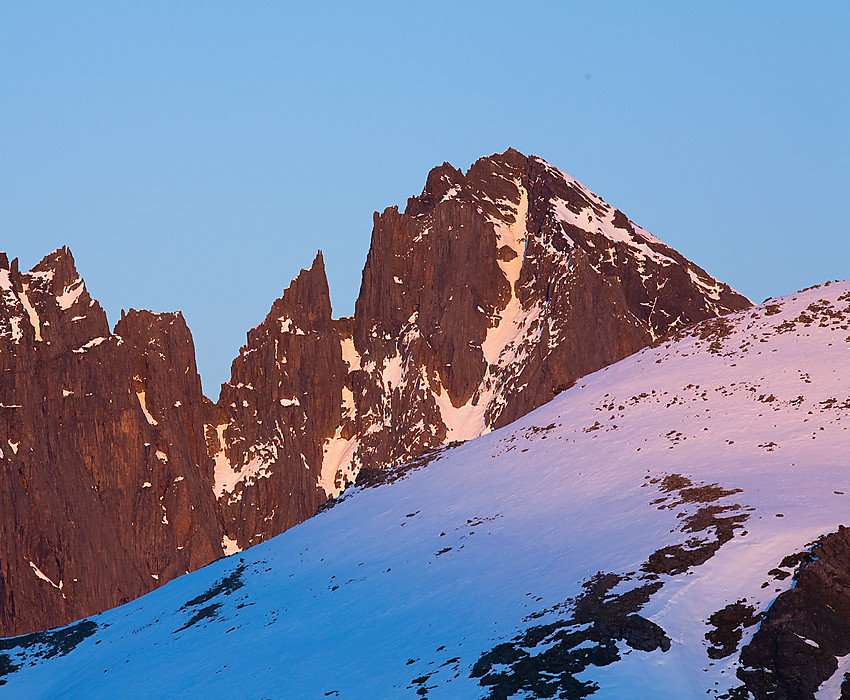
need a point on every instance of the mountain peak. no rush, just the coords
(60, 265)
(495, 290)
(307, 297)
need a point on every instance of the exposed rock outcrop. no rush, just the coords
(493, 291)
(806, 629)
(105, 490)
(284, 400)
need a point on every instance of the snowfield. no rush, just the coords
(649, 496)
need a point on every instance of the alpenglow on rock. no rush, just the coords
(105, 482)
(494, 290)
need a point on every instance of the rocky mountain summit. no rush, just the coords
(493, 291)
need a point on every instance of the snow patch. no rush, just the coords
(425, 231)
(391, 376)
(463, 422)
(257, 467)
(831, 687)
(288, 326)
(70, 294)
(338, 455)
(711, 290)
(17, 332)
(349, 354)
(11, 301)
(92, 343)
(229, 546)
(514, 235)
(450, 194)
(44, 577)
(32, 314)
(223, 470)
(140, 395)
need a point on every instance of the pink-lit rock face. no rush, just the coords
(106, 482)
(491, 292)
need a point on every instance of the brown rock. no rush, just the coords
(491, 292)
(282, 402)
(97, 500)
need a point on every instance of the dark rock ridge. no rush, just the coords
(545, 659)
(805, 630)
(491, 292)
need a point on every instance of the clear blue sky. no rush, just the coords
(195, 155)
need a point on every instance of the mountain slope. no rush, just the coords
(494, 290)
(624, 540)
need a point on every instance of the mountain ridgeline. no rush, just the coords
(491, 292)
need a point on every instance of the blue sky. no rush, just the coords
(195, 155)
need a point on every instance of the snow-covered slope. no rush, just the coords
(590, 546)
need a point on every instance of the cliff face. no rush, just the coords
(105, 477)
(491, 292)
(283, 402)
(494, 290)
